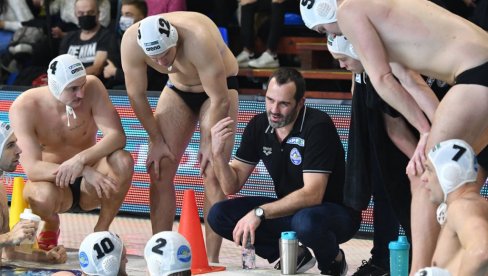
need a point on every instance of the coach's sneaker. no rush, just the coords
(370, 269)
(243, 58)
(337, 268)
(266, 60)
(305, 260)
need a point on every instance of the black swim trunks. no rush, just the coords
(477, 75)
(482, 158)
(76, 192)
(195, 100)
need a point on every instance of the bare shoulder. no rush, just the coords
(350, 8)
(94, 88)
(131, 53)
(30, 100)
(472, 209)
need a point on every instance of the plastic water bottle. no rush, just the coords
(248, 256)
(399, 252)
(26, 245)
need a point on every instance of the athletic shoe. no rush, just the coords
(266, 60)
(369, 269)
(243, 58)
(337, 268)
(305, 260)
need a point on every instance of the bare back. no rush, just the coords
(195, 32)
(417, 34)
(463, 239)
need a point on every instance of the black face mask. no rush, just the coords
(87, 22)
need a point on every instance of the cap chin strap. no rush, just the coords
(70, 111)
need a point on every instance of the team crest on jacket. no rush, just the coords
(295, 156)
(267, 150)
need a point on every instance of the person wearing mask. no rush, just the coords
(91, 43)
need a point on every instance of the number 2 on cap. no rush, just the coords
(160, 244)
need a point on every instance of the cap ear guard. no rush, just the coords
(110, 265)
(315, 12)
(338, 44)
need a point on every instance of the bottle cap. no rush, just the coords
(289, 235)
(400, 244)
(28, 215)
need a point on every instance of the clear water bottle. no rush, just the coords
(248, 256)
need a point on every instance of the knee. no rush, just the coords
(214, 215)
(39, 195)
(304, 227)
(122, 163)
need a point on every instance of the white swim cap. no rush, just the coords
(167, 252)
(339, 44)
(317, 12)
(5, 133)
(455, 164)
(432, 271)
(62, 71)
(100, 254)
(156, 35)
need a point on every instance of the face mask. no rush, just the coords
(87, 22)
(125, 22)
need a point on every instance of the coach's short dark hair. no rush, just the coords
(139, 4)
(285, 75)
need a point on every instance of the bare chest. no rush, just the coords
(447, 250)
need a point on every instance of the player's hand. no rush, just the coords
(109, 70)
(416, 164)
(220, 132)
(68, 171)
(104, 185)
(204, 158)
(24, 229)
(57, 254)
(156, 152)
(246, 229)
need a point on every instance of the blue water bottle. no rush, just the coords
(399, 251)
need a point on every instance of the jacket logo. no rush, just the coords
(267, 151)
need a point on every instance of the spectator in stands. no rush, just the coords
(92, 42)
(13, 13)
(224, 12)
(379, 146)
(68, 168)
(132, 11)
(202, 88)
(24, 229)
(376, 37)
(163, 6)
(303, 154)
(268, 59)
(450, 178)
(68, 19)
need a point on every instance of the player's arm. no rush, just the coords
(107, 120)
(56, 255)
(22, 115)
(418, 88)
(357, 27)
(400, 134)
(211, 70)
(135, 70)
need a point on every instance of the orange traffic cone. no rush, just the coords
(191, 229)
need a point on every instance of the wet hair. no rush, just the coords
(139, 4)
(286, 75)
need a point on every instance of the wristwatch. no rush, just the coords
(259, 212)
